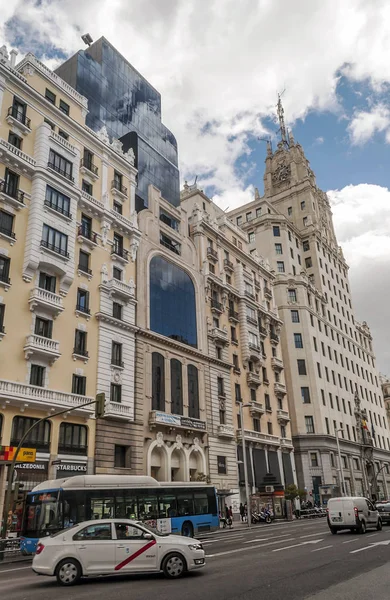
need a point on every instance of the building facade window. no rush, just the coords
(54, 240)
(72, 439)
(172, 302)
(57, 201)
(295, 316)
(80, 343)
(117, 310)
(309, 423)
(305, 393)
(116, 393)
(193, 392)
(61, 165)
(292, 295)
(221, 464)
(276, 230)
(82, 303)
(6, 223)
(278, 249)
(176, 387)
(158, 381)
(298, 340)
(38, 438)
(301, 366)
(280, 266)
(84, 262)
(122, 457)
(116, 354)
(37, 375)
(79, 385)
(43, 327)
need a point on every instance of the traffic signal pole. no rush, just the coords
(99, 402)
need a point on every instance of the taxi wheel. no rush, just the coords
(174, 565)
(68, 571)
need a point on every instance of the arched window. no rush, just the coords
(158, 381)
(73, 439)
(38, 438)
(193, 392)
(176, 387)
(172, 302)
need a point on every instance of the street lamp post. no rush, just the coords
(342, 481)
(240, 407)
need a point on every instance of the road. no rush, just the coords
(299, 560)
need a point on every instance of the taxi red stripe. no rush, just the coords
(133, 556)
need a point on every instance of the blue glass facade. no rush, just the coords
(122, 100)
(172, 302)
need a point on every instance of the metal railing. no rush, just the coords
(215, 304)
(7, 231)
(88, 164)
(87, 233)
(80, 351)
(54, 248)
(84, 269)
(12, 191)
(119, 251)
(118, 186)
(83, 309)
(58, 209)
(19, 115)
(72, 449)
(56, 168)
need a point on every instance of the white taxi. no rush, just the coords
(108, 546)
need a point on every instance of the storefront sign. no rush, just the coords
(69, 469)
(178, 421)
(28, 467)
(7, 454)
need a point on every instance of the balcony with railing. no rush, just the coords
(42, 398)
(88, 168)
(267, 292)
(253, 378)
(53, 248)
(277, 363)
(85, 234)
(255, 351)
(258, 436)
(118, 411)
(46, 301)
(118, 188)
(11, 194)
(263, 331)
(7, 233)
(257, 409)
(275, 339)
(54, 167)
(226, 431)
(251, 320)
(14, 155)
(18, 117)
(249, 294)
(280, 389)
(216, 306)
(228, 265)
(212, 254)
(219, 335)
(42, 348)
(120, 253)
(233, 315)
(118, 288)
(116, 362)
(80, 352)
(283, 416)
(81, 308)
(286, 442)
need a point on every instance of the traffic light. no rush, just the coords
(100, 405)
(18, 492)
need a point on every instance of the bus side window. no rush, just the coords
(167, 506)
(147, 506)
(185, 504)
(201, 503)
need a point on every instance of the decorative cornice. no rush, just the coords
(104, 317)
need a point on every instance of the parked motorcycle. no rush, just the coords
(262, 517)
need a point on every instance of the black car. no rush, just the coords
(384, 510)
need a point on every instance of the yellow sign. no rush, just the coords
(7, 454)
(26, 455)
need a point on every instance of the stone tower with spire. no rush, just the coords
(328, 355)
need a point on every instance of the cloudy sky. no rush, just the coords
(219, 65)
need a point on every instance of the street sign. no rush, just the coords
(7, 454)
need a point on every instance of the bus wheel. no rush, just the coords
(187, 529)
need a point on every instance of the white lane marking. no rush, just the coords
(17, 569)
(323, 548)
(302, 537)
(274, 537)
(246, 548)
(350, 541)
(371, 535)
(373, 545)
(296, 545)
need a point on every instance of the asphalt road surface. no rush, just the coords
(299, 560)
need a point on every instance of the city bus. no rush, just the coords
(181, 508)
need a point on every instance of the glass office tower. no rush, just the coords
(122, 100)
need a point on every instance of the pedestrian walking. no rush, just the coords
(242, 511)
(245, 512)
(227, 517)
(231, 516)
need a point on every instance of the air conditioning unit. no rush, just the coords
(269, 489)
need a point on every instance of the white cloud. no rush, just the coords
(366, 123)
(319, 141)
(362, 222)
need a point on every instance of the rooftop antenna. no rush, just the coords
(282, 126)
(87, 39)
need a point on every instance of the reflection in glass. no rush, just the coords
(193, 392)
(176, 387)
(158, 381)
(172, 302)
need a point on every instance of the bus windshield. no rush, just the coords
(43, 515)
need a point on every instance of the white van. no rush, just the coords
(356, 514)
